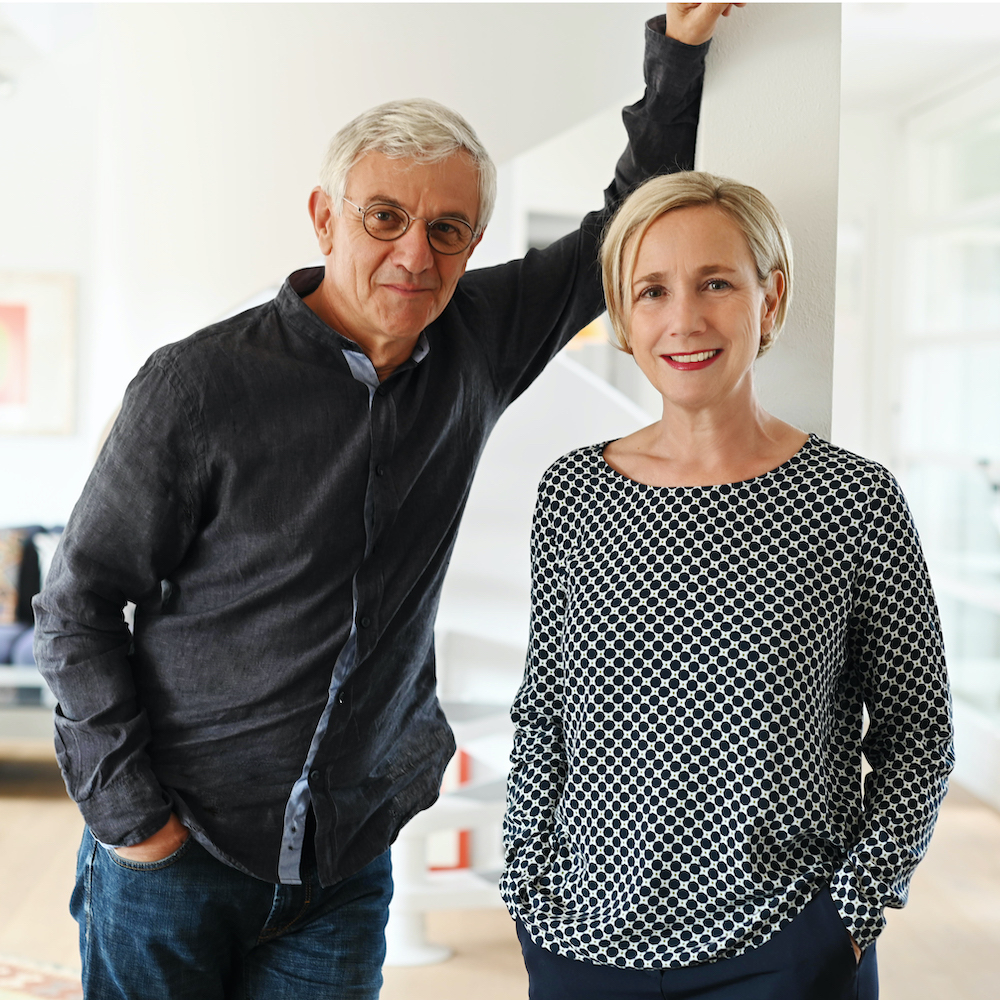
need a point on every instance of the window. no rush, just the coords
(948, 346)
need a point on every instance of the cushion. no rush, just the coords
(11, 556)
(9, 634)
(22, 653)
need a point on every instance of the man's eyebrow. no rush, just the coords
(384, 199)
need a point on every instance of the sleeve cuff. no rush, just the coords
(858, 898)
(670, 65)
(125, 813)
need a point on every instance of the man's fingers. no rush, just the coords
(694, 23)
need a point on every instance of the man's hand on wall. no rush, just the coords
(694, 23)
(161, 845)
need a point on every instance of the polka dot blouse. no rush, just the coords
(687, 758)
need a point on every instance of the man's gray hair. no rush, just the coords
(418, 129)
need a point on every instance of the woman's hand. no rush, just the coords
(857, 950)
(694, 23)
(161, 845)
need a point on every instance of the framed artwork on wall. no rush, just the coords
(37, 353)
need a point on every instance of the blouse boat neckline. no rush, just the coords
(810, 442)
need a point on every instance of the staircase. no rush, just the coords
(481, 632)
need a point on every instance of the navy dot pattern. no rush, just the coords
(686, 771)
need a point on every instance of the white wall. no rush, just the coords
(864, 368)
(47, 150)
(771, 118)
(165, 158)
(165, 155)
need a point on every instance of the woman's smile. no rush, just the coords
(693, 361)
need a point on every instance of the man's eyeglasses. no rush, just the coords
(389, 222)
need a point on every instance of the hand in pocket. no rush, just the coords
(161, 845)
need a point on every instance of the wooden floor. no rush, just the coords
(39, 832)
(943, 946)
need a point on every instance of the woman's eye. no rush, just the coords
(718, 284)
(651, 292)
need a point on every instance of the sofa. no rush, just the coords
(25, 556)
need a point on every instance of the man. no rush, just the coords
(279, 497)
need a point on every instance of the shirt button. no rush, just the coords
(340, 698)
(314, 775)
(379, 470)
(365, 622)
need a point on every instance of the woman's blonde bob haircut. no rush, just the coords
(767, 238)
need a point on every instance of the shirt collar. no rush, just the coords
(302, 319)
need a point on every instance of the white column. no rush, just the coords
(771, 118)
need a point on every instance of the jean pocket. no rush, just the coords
(150, 866)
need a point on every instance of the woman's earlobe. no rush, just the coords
(766, 321)
(769, 316)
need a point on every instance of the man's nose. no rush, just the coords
(412, 250)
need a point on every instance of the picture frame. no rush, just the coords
(37, 353)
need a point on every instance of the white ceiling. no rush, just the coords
(896, 55)
(519, 71)
(509, 60)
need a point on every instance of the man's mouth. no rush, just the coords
(408, 289)
(693, 360)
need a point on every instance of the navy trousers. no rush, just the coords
(809, 959)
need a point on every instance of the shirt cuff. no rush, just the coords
(670, 65)
(673, 71)
(125, 813)
(859, 899)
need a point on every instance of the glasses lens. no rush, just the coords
(386, 222)
(449, 235)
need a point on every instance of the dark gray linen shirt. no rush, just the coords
(283, 523)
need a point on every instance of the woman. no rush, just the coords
(716, 598)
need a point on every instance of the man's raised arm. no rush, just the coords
(536, 305)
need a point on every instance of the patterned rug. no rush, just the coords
(19, 980)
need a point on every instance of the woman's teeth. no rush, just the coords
(692, 358)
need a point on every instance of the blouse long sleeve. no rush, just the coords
(895, 652)
(538, 772)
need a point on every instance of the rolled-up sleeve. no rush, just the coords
(135, 519)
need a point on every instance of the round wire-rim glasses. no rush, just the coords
(446, 234)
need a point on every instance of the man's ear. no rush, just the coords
(321, 213)
(475, 243)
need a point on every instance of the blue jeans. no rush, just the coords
(191, 928)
